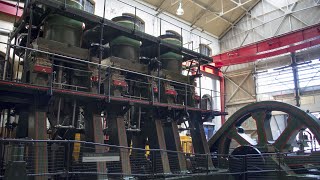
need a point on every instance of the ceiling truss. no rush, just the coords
(205, 13)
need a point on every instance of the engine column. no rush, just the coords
(94, 133)
(118, 136)
(37, 129)
(174, 144)
(199, 141)
(156, 139)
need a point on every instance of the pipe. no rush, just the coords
(60, 73)
(59, 109)
(7, 130)
(200, 90)
(101, 47)
(158, 73)
(74, 113)
(6, 60)
(129, 118)
(139, 118)
(27, 51)
(222, 99)
(2, 122)
(80, 119)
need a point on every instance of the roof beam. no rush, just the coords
(160, 4)
(230, 10)
(235, 2)
(269, 21)
(247, 11)
(226, 31)
(205, 9)
(199, 16)
(160, 10)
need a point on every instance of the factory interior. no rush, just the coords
(159, 89)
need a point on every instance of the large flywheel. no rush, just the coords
(261, 113)
(261, 153)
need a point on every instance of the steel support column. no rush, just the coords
(295, 78)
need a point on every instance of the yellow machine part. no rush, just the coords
(76, 147)
(186, 143)
(147, 148)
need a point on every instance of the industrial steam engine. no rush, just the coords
(89, 98)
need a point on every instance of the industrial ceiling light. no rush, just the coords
(180, 11)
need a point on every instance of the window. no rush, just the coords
(280, 81)
(309, 75)
(275, 80)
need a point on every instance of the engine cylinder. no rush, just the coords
(63, 29)
(172, 61)
(125, 47)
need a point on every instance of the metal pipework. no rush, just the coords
(74, 113)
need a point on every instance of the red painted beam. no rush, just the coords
(211, 70)
(289, 42)
(10, 9)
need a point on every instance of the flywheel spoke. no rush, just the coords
(288, 134)
(241, 138)
(264, 132)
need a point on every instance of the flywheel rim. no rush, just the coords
(297, 118)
